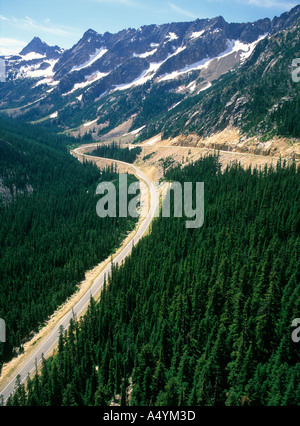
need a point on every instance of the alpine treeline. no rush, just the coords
(195, 317)
(114, 151)
(50, 235)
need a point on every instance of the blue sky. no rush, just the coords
(63, 22)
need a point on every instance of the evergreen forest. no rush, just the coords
(114, 151)
(50, 233)
(194, 317)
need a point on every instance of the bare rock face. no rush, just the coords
(285, 20)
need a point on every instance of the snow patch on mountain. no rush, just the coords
(90, 79)
(146, 54)
(233, 46)
(93, 58)
(49, 81)
(247, 48)
(196, 66)
(36, 71)
(31, 56)
(171, 36)
(205, 88)
(197, 34)
(192, 86)
(148, 74)
(143, 78)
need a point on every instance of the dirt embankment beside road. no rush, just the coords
(230, 140)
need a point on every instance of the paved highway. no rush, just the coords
(45, 347)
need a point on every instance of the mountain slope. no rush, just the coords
(140, 76)
(259, 98)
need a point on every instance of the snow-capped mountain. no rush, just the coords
(132, 57)
(35, 61)
(188, 57)
(41, 48)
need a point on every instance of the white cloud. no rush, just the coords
(11, 46)
(182, 11)
(284, 5)
(3, 18)
(46, 26)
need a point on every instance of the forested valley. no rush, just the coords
(195, 317)
(50, 234)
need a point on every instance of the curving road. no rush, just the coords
(45, 347)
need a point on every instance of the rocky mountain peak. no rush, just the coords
(38, 46)
(286, 19)
(90, 33)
